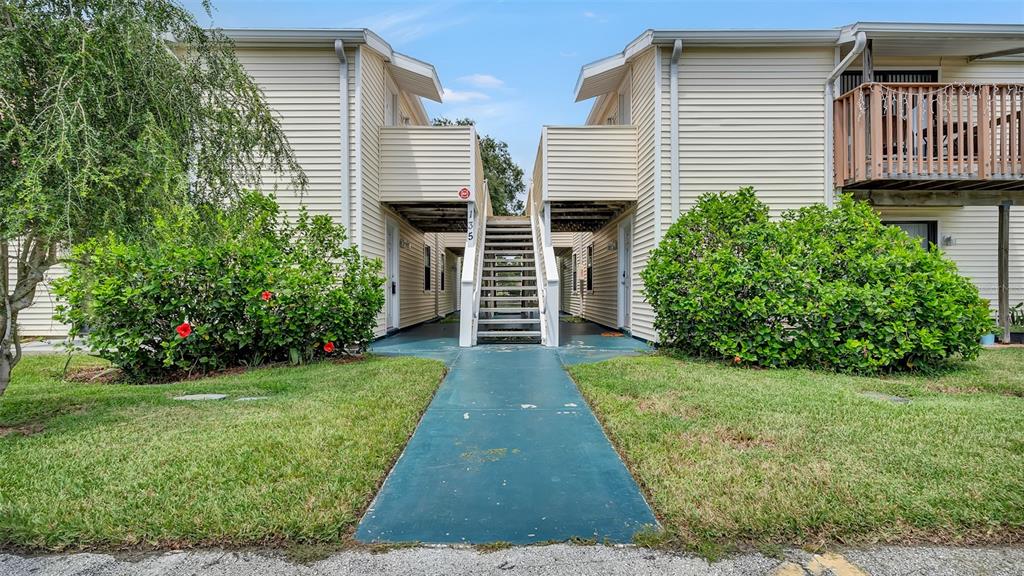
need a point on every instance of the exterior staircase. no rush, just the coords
(509, 303)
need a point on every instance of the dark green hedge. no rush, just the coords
(819, 288)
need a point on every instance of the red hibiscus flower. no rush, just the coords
(184, 329)
(265, 295)
(329, 347)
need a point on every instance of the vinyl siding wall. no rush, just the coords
(425, 163)
(301, 86)
(591, 163)
(600, 302)
(370, 220)
(562, 239)
(646, 228)
(37, 319)
(601, 306)
(752, 117)
(447, 298)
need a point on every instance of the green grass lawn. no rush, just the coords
(111, 465)
(733, 457)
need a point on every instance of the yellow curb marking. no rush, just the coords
(838, 565)
(788, 569)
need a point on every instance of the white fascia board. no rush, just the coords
(294, 36)
(912, 29)
(746, 37)
(610, 63)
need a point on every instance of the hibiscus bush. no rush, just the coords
(216, 288)
(819, 288)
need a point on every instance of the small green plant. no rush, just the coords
(246, 287)
(1017, 317)
(828, 288)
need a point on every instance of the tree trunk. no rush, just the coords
(6, 364)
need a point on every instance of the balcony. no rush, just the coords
(588, 174)
(423, 169)
(929, 140)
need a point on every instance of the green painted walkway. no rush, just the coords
(508, 450)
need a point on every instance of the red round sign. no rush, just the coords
(464, 193)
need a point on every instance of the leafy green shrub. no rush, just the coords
(220, 289)
(819, 288)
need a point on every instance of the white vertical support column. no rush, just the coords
(469, 259)
(1004, 270)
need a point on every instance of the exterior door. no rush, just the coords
(391, 290)
(625, 272)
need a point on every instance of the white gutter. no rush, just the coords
(346, 193)
(858, 46)
(677, 51)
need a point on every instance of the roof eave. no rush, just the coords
(320, 37)
(903, 29)
(699, 38)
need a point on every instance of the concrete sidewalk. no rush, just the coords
(555, 560)
(508, 450)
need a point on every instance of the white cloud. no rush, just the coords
(482, 81)
(403, 26)
(458, 96)
(589, 14)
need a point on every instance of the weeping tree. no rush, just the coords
(112, 111)
(504, 176)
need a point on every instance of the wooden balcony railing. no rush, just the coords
(967, 132)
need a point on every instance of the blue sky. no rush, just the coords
(512, 65)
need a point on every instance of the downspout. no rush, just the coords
(346, 195)
(673, 106)
(859, 43)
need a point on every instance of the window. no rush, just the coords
(624, 108)
(925, 230)
(575, 272)
(391, 107)
(590, 268)
(444, 264)
(852, 79)
(426, 267)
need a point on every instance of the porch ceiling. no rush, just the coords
(441, 217)
(943, 193)
(584, 216)
(937, 40)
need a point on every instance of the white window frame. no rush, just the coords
(428, 269)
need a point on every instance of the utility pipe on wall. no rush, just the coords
(346, 198)
(858, 46)
(673, 106)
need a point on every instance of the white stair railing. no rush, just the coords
(477, 211)
(548, 292)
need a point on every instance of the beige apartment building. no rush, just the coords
(921, 120)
